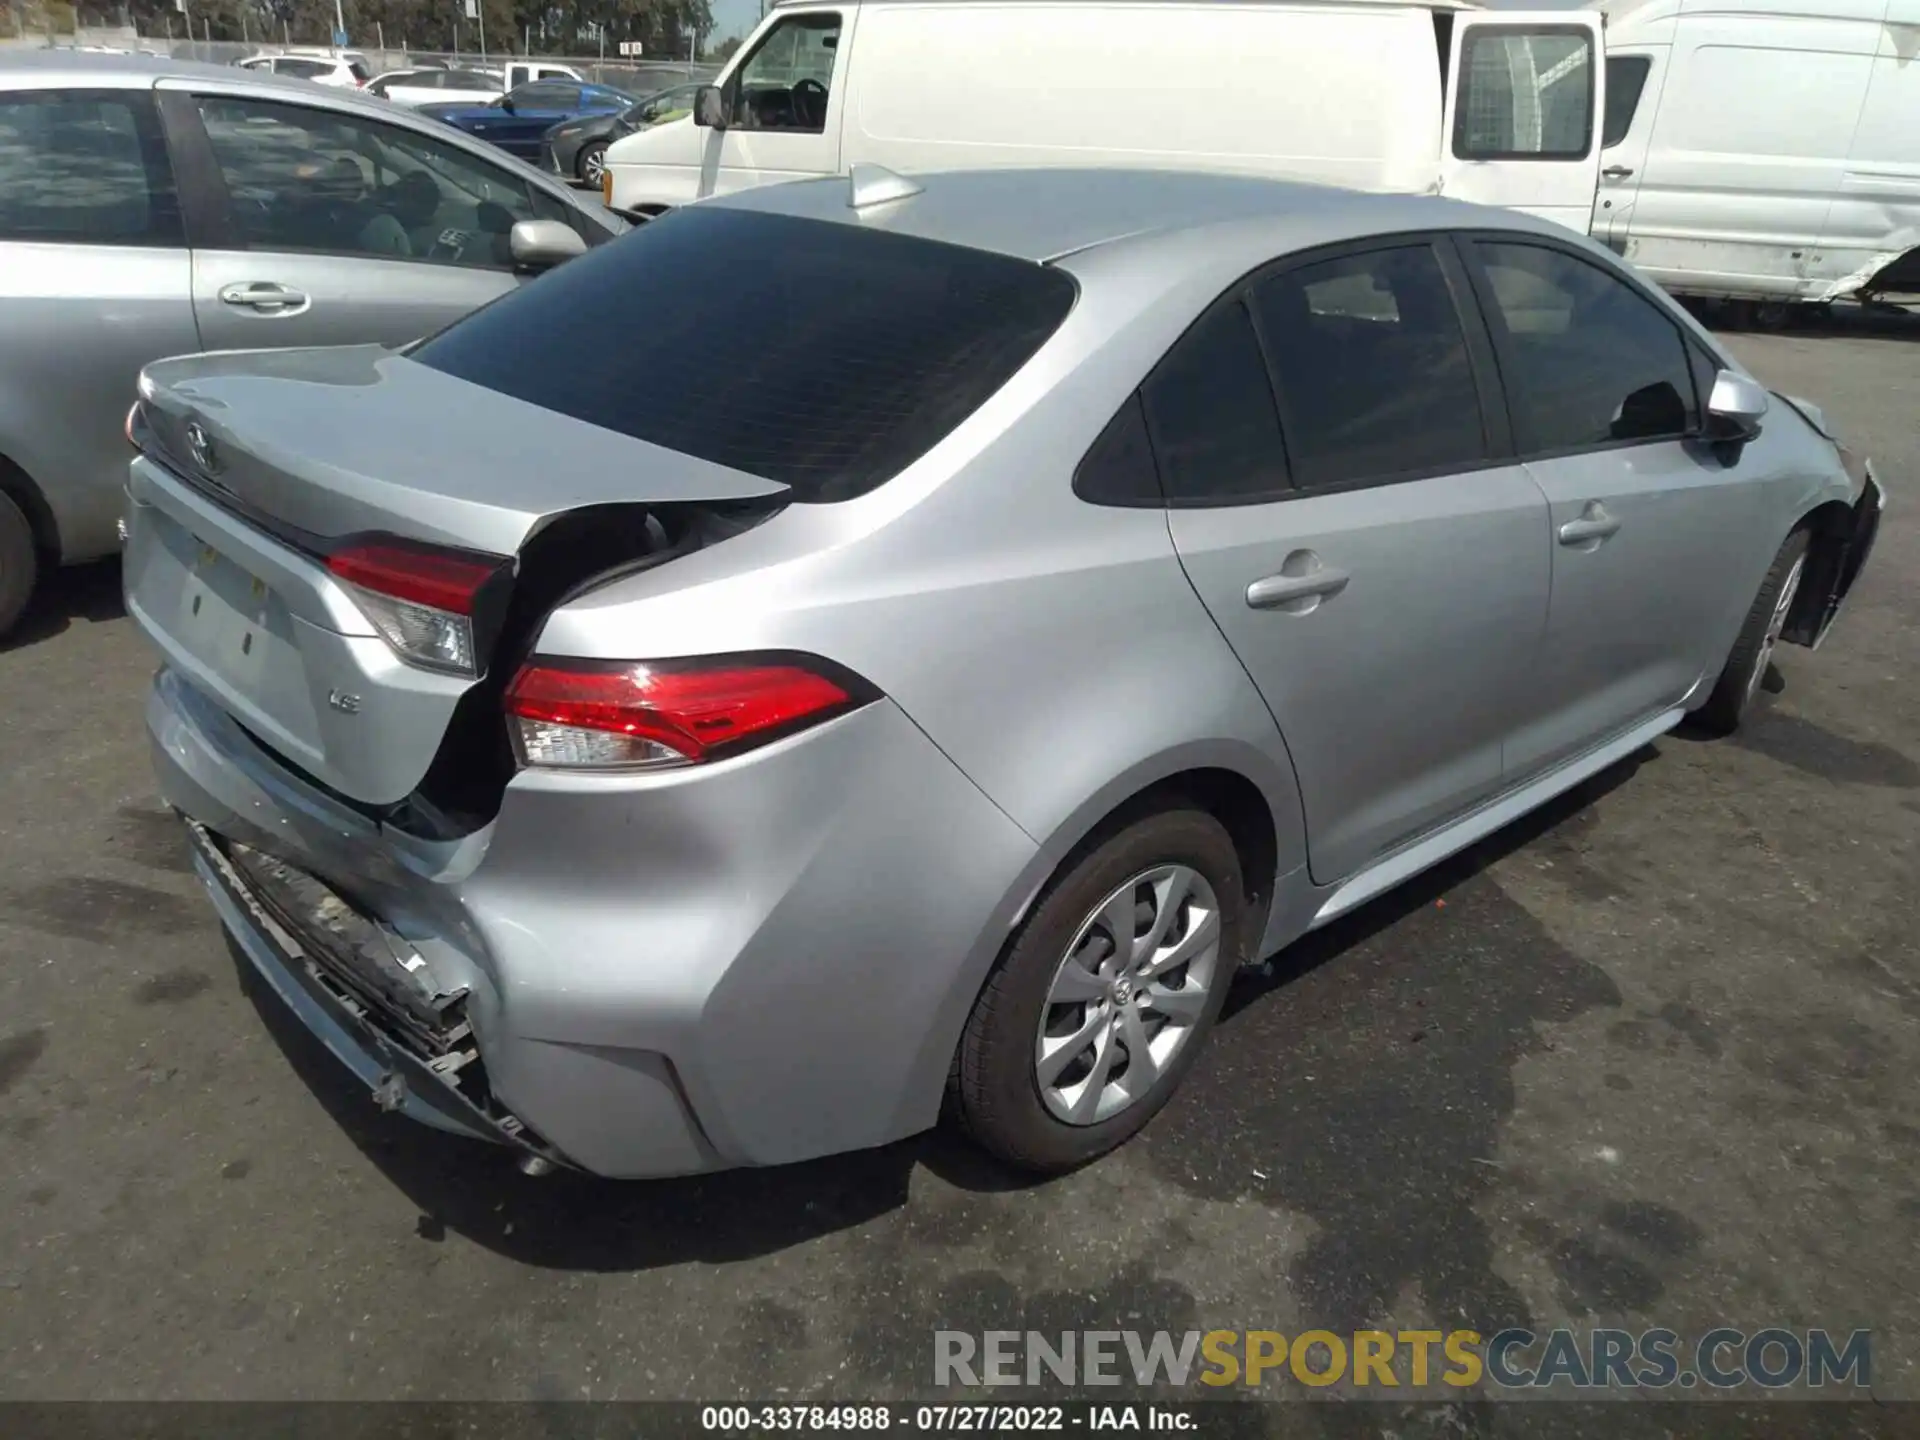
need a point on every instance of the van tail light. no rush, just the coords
(425, 601)
(625, 715)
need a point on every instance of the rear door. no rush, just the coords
(528, 113)
(1371, 551)
(94, 282)
(1653, 537)
(327, 227)
(1525, 95)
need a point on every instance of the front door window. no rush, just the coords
(785, 83)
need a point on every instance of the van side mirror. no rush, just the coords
(1735, 408)
(710, 107)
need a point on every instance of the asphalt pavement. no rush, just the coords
(1651, 1057)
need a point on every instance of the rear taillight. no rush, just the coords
(624, 716)
(422, 600)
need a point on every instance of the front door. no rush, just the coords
(524, 115)
(785, 102)
(1369, 553)
(1525, 93)
(1652, 536)
(338, 229)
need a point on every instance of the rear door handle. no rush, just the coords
(1278, 590)
(1617, 172)
(264, 297)
(1594, 524)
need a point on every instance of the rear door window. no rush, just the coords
(85, 167)
(825, 357)
(302, 69)
(1372, 367)
(1210, 410)
(1526, 94)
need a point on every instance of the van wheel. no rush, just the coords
(1102, 1000)
(1746, 667)
(19, 563)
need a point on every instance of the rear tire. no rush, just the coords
(1048, 1083)
(1746, 667)
(19, 563)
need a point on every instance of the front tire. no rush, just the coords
(19, 563)
(591, 163)
(1102, 1000)
(1746, 667)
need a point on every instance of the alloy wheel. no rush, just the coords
(1128, 994)
(1775, 624)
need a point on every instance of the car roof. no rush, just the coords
(1048, 214)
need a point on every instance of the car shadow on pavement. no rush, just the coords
(89, 593)
(574, 1222)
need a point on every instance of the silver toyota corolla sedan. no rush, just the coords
(1000, 606)
(152, 206)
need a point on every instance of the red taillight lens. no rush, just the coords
(421, 599)
(599, 716)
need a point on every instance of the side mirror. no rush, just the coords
(1735, 408)
(538, 245)
(505, 102)
(710, 107)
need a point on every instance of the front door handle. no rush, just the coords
(1594, 525)
(1617, 172)
(264, 297)
(1277, 591)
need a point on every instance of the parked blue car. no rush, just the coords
(518, 119)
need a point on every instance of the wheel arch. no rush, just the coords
(19, 487)
(1254, 797)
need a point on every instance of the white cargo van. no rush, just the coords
(1754, 149)
(1762, 149)
(1362, 93)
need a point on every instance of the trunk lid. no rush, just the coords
(256, 464)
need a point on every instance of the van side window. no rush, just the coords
(1372, 367)
(1593, 362)
(1525, 94)
(1626, 78)
(1211, 417)
(785, 82)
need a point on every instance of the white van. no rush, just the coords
(1762, 149)
(1362, 93)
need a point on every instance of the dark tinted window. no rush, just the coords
(359, 69)
(1372, 367)
(1119, 469)
(1526, 92)
(1594, 361)
(303, 69)
(1210, 410)
(1626, 78)
(85, 167)
(822, 356)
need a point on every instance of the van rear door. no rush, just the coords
(1525, 92)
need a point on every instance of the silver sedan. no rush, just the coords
(1002, 605)
(151, 206)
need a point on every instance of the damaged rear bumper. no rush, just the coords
(415, 1053)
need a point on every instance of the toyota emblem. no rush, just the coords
(201, 444)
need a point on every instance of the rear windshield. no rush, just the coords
(818, 355)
